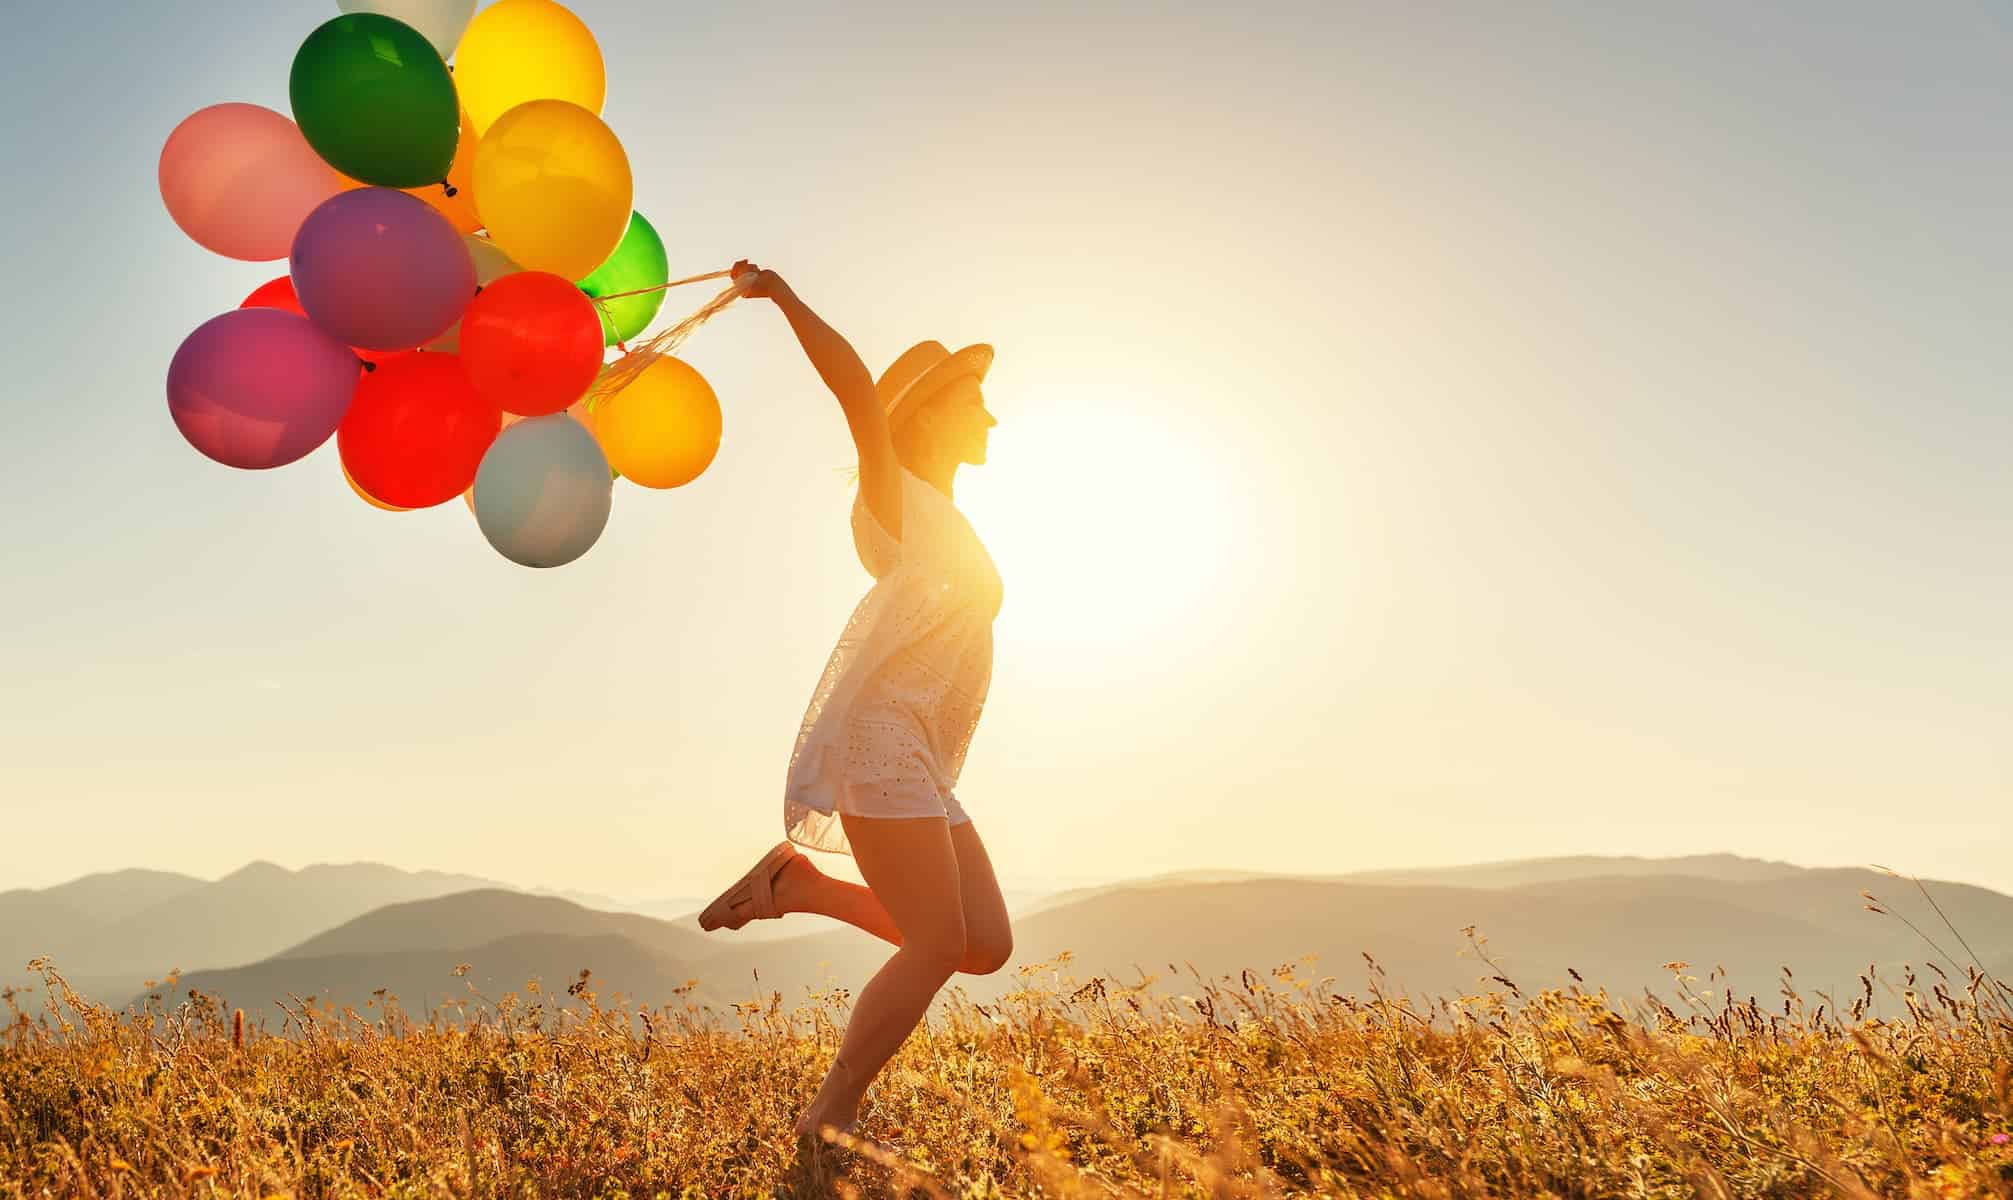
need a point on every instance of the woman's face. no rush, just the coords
(956, 419)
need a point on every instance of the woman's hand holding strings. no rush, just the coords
(766, 285)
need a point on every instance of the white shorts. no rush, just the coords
(891, 770)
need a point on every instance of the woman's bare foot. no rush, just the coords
(848, 1136)
(811, 1126)
(773, 886)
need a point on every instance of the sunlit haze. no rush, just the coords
(1428, 434)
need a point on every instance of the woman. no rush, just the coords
(878, 755)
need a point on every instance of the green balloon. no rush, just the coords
(373, 98)
(639, 262)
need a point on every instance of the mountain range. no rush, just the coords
(342, 933)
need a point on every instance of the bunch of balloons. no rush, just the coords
(450, 233)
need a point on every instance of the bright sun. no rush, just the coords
(1113, 528)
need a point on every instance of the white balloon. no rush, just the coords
(490, 264)
(441, 21)
(543, 491)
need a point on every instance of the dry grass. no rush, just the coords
(1264, 1085)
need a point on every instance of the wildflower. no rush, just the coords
(2000, 1139)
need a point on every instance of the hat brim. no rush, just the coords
(974, 360)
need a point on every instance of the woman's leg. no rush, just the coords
(801, 887)
(988, 935)
(911, 865)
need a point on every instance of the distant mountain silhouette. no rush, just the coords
(1615, 930)
(423, 981)
(475, 917)
(99, 898)
(1617, 926)
(1507, 873)
(666, 908)
(250, 914)
(1516, 872)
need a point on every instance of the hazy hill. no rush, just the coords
(423, 980)
(1617, 930)
(1614, 930)
(1076, 894)
(101, 898)
(34, 920)
(1413, 932)
(1731, 868)
(473, 918)
(667, 908)
(1508, 873)
(250, 914)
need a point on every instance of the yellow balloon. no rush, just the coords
(518, 50)
(663, 429)
(553, 187)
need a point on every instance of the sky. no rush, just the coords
(1428, 434)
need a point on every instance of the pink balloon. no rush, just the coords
(260, 387)
(239, 179)
(380, 269)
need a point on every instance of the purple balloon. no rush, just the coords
(260, 387)
(379, 269)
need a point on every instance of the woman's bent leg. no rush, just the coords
(912, 868)
(803, 888)
(988, 931)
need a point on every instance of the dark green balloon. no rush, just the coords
(373, 98)
(638, 262)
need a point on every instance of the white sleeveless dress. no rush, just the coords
(887, 728)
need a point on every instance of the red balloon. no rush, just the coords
(531, 342)
(416, 430)
(279, 293)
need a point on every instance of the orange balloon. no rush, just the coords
(459, 209)
(663, 428)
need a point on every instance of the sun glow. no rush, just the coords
(1113, 526)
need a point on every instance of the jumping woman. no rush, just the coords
(878, 754)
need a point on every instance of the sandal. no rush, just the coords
(757, 888)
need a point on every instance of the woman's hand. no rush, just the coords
(764, 285)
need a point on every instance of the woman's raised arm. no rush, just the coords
(843, 372)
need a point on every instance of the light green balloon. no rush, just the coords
(639, 262)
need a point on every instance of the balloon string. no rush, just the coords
(623, 371)
(660, 287)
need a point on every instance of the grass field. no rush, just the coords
(1270, 1084)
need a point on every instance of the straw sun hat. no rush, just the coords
(921, 371)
